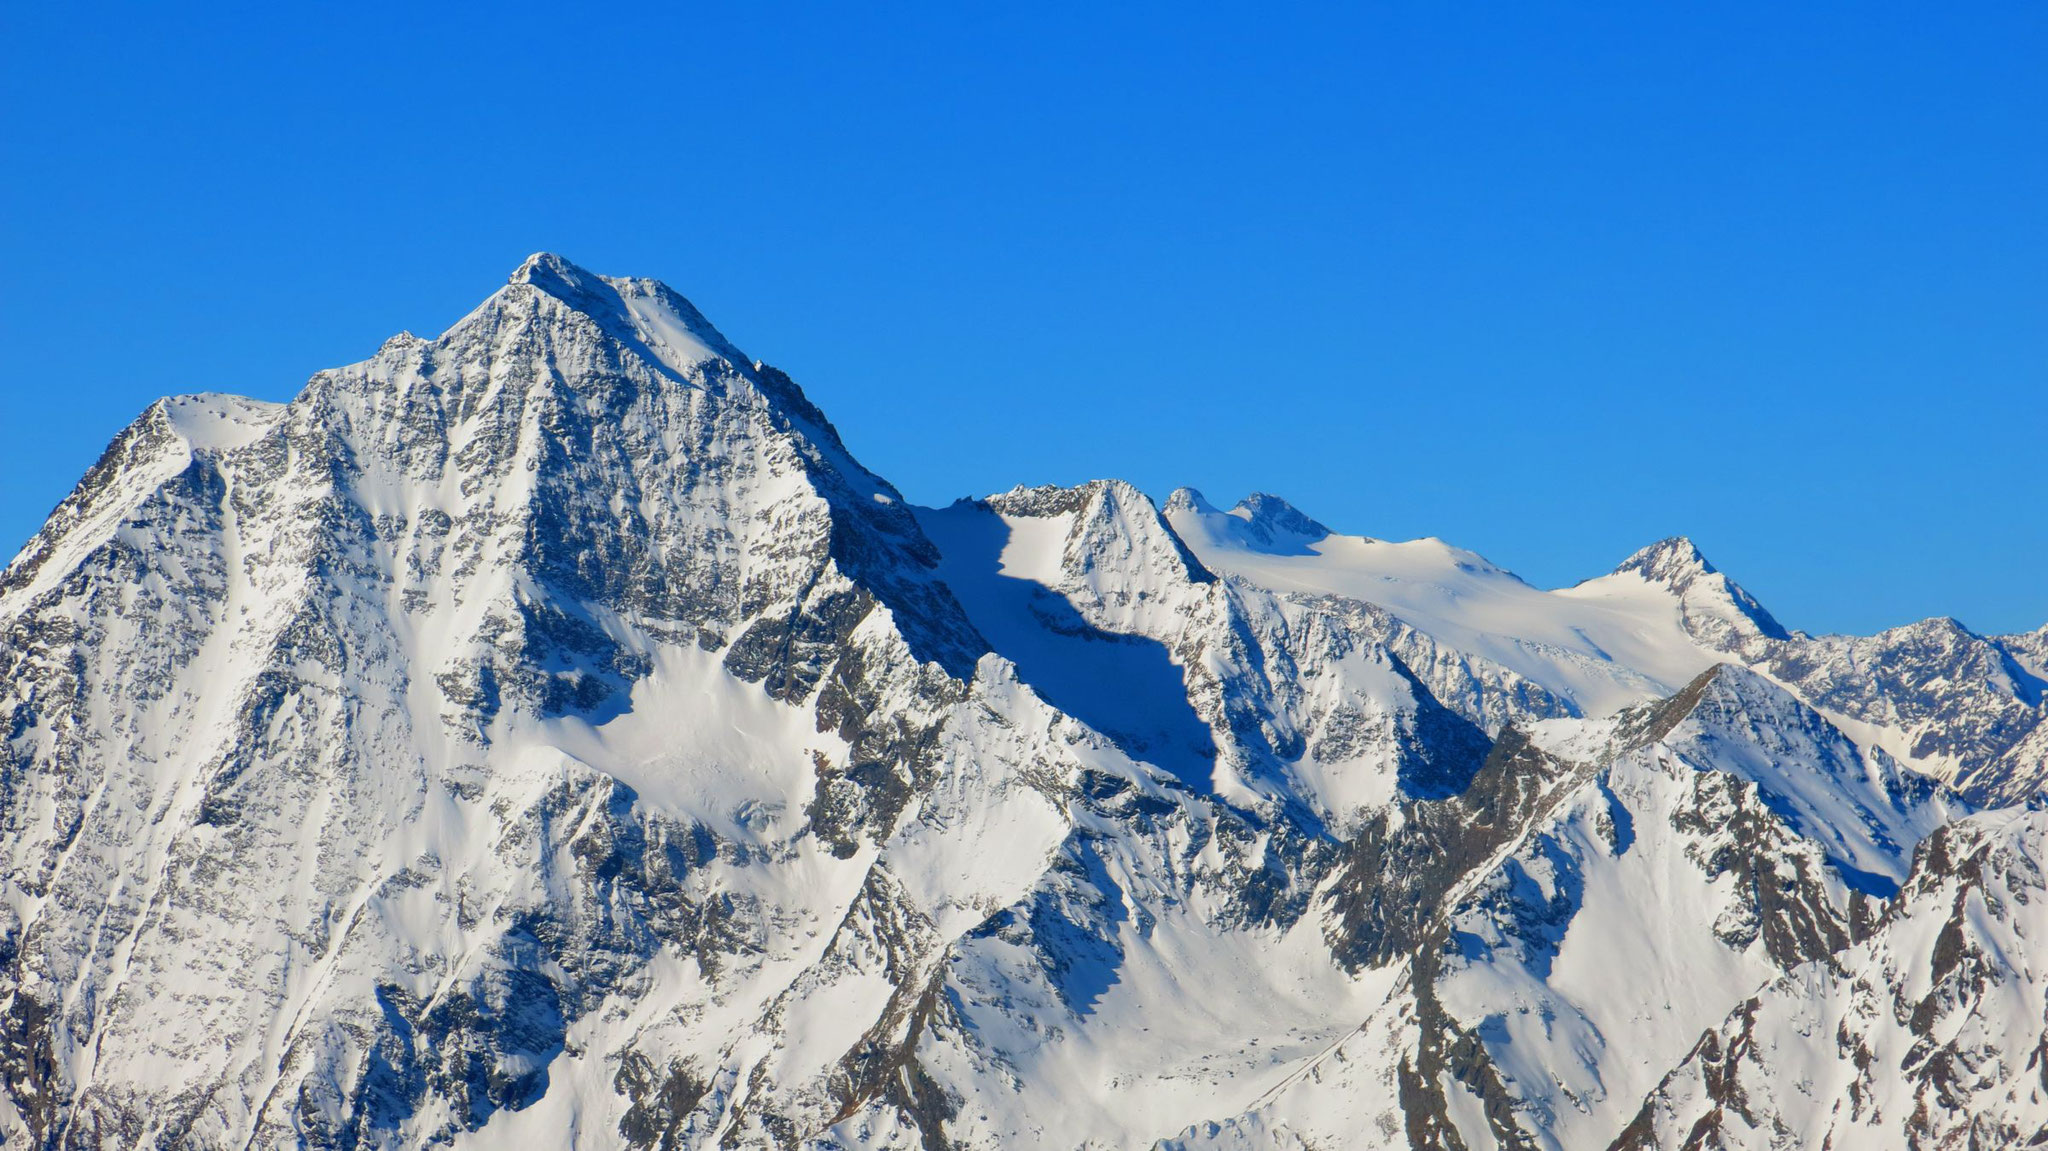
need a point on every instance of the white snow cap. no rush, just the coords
(1678, 564)
(1668, 561)
(645, 311)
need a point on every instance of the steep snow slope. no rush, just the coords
(1665, 865)
(1261, 701)
(548, 735)
(1930, 1033)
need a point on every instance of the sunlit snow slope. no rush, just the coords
(548, 735)
(1953, 704)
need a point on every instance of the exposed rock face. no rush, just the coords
(1961, 706)
(1926, 1034)
(548, 735)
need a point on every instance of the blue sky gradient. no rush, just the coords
(1548, 281)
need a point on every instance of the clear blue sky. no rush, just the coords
(1549, 281)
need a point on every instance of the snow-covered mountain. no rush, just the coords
(548, 735)
(1934, 695)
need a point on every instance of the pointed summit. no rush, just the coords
(1717, 610)
(1186, 499)
(1669, 561)
(1270, 518)
(1260, 522)
(644, 313)
(547, 268)
(1874, 809)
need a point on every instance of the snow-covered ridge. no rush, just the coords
(656, 316)
(215, 422)
(1603, 644)
(548, 734)
(1935, 696)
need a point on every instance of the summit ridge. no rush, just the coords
(548, 734)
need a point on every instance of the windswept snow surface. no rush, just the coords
(1603, 644)
(214, 422)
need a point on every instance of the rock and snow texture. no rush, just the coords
(548, 735)
(1965, 708)
(1929, 1033)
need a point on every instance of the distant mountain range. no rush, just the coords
(548, 735)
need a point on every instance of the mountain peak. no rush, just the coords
(546, 269)
(578, 656)
(1260, 522)
(1186, 499)
(1874, 810)
(643, 312)
(1270, 519)
(1669, 561)
(1717, 609)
